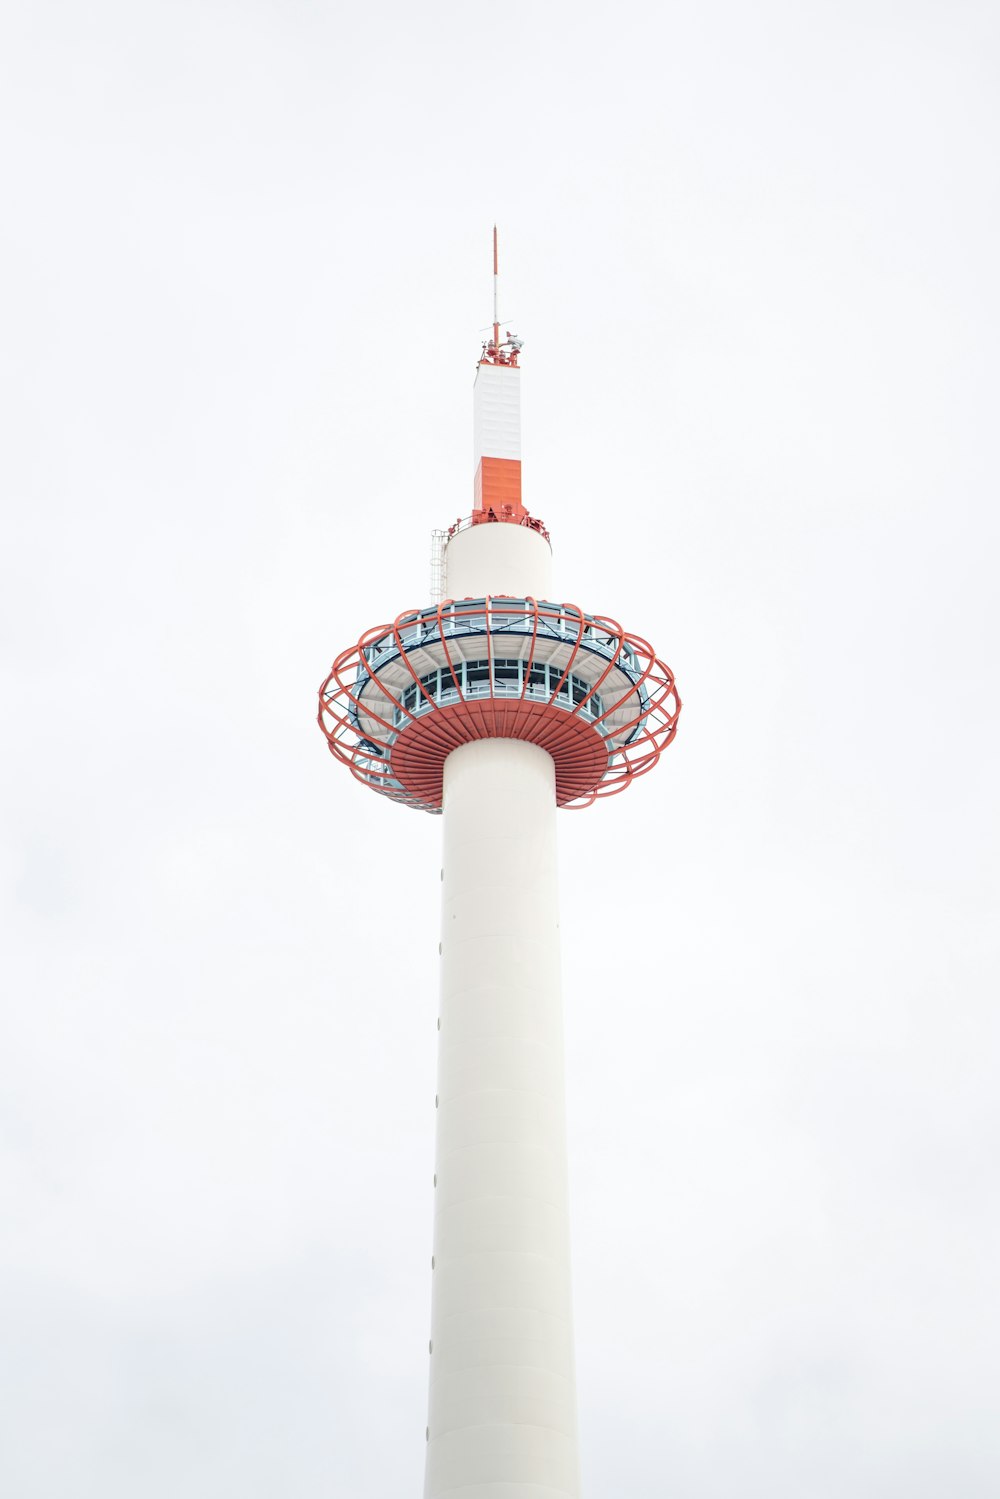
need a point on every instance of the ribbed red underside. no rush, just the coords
(578, 749)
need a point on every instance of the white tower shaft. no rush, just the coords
(502, 1397)
(502, 1421)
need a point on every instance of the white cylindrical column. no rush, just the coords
(502, 1422)
(498, 558)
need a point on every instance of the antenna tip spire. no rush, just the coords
(496, 352)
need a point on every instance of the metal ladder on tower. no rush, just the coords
(439, 566)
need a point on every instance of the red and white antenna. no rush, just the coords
(497, 351)
(496, 281)
(497, 422)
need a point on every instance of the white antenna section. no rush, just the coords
(439, 565)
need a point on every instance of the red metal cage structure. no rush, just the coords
(597, 699)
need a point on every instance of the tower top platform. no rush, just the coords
(502, 662)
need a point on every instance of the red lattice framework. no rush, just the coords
(404, 760)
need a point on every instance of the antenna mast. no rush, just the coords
(499, 350)
(496, 272)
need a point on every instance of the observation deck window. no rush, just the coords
(504, 678)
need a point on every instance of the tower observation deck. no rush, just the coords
(495, 707)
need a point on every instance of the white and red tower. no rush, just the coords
(495, 707)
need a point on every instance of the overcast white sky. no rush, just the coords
(753, 252)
